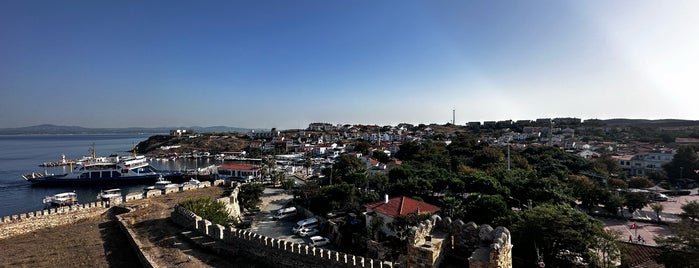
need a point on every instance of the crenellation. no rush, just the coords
(282, 253)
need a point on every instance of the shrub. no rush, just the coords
(209, 209)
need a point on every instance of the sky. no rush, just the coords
(285, 64)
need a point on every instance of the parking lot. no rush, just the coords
(272, 200)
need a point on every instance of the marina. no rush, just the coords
(21, 154)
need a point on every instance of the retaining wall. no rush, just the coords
(274, 252)
(29, 222)
(143, 257)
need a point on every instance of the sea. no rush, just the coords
(22, 154)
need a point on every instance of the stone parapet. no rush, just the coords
(274, 252)
(28, 222)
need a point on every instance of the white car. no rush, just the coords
(318, 241)
(307, 232)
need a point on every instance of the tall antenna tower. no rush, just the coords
(453, 116)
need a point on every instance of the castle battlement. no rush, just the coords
(278, 252)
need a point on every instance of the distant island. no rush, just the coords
(55, 129)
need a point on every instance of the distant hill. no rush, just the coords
(54, 129)
(651, 123)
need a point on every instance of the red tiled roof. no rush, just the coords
(641, 256)
(401, 206)
(239, 167)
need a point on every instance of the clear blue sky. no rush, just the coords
(285, 64)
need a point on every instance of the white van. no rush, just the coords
(284, 213)
(307, 223)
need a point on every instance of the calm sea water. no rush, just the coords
(22, 154)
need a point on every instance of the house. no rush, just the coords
(239, 171)
(390, 209)
(641, 164)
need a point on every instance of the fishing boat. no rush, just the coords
(61, 199)
(114, 168)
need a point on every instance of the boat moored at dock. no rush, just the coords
(61, 199)
(106, 195)
(112, 169)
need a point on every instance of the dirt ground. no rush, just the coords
(98, 242)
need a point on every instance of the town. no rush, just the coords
(561, 192)
(622, 172)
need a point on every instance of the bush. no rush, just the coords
(207, 208)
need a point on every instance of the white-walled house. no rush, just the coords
(390, 209)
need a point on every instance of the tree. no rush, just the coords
(635, 201)
(362, 146)
(452, 206)
(250, 193)
(486, 208)
(690, 211)
(640, 183)
(381, 156)
(657, 208)
(681, 249)
(683, 164)
(558, 231)
(606, 165)
(402, 223)
(212, 210)
(348, 165)
(586, 191)
(613, 202)
(606, 249)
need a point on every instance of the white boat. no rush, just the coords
(61, 199)
(161, 184)
(109, 194)
(191, 181)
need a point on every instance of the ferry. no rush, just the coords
(115, 168)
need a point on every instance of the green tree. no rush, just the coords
(488, 156)
(690, 211)
(613, 201)
(486, 208)
(683, 164)
(347, 167)
(452, 206)
(381, 156)
(635, 201)
(605, 249)
(639, 183)
(657, 208)
(555, 229)
(585, 190)
(362, 146)
(250, 193)
(681, 249)
(209, 209)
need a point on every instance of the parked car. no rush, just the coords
(304, 232)
(318, 241)
(659, 197)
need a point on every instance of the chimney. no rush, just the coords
(385, 199)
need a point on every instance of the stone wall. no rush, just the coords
(480, 246)
(32, 221)
(28, 222)
(143, 257)
(271, 251)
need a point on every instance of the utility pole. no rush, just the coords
(508, 154)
